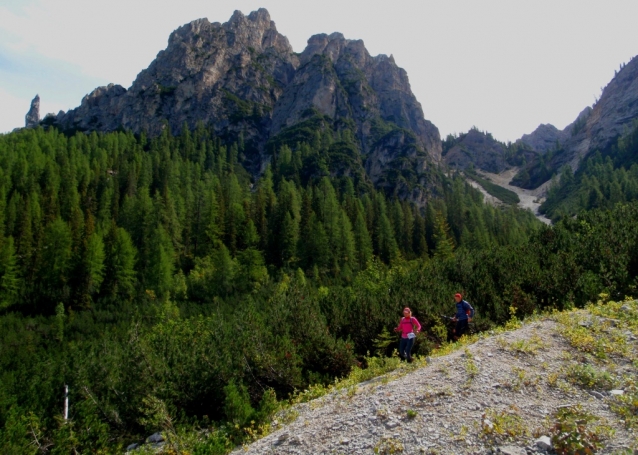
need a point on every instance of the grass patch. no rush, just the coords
(504, 425)
(502, 194)
(470, 366)
(529, 346)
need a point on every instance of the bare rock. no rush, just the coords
(597, 127)
(242, 77)
(480, 150)
(32, 119)
(511, 450)
(544, 443)
(155, 438)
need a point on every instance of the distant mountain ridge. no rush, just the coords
(547, 137)
(542, 153)
(481, 150)
(243, 79)
(595, 129)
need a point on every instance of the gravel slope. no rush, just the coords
(530, 199)
(458, 403)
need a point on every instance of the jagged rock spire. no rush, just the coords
(32, 118)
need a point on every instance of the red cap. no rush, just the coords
(458, 295)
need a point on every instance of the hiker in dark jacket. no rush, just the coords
(463, 316)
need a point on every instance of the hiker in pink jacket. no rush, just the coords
(408, 327)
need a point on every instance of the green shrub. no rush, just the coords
(588, 377)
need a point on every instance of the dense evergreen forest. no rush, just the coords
(603, 180)
(158, 277)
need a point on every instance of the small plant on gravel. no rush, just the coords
(599, 333)
(470, 366)
(444, 368)
(573, 434)
(462, 433)
(552, 379)
(411, 413)
(520, 378)
(626, 406)
(528, 346)
(388, 446)
(589, 377)
(503, 425)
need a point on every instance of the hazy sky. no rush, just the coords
(504, 66)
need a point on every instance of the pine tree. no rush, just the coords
(363, 242)
(56, 260)
(120, 275)
(159, 273)
(444, 248)
(9, 280)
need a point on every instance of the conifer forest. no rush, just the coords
(158, 276)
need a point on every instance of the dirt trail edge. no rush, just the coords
(498, 395)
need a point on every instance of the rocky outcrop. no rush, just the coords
(32, 119)
(596, 128)
(227, 76)
(547, 137)
(242, 77)
(478, 149)
(481, 151)
(338, 78)
(544, 138)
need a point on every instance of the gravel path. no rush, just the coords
(453, 404)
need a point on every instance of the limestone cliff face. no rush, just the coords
(339, 78)
(547, 137)
(612, 116)
(227, 76)
(242, 77)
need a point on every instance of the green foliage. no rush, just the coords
(588, 376)
(571, 434)
(237, 406)
(59, 321)
(172, 293)
(21, 434)
(503, 425)
(503, 194)
(604, 179)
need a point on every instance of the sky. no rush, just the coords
(503, 66)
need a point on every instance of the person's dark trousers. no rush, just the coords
(405, 348)
(461, 328)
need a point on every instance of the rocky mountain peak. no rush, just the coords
(243, 78)
(32, 118)
(333, 46)
(339, 78)
(544, 138)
